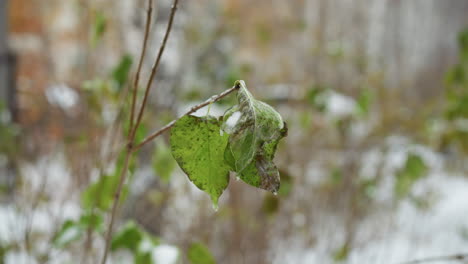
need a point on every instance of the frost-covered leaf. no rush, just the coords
(255, 129)
(199, 254)
(198, 145)
(261, 172)
(249, 124)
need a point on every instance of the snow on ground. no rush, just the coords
(406, 233)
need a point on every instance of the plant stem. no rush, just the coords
(115, 204)
(211, 100)
(154, 69)
(140, 63)
(133, 128)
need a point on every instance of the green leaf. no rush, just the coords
(198, 145)
(92, 220)
(255, 129)
(143, 258)
(69, 232)
(262, 172)
(414, 169)
(342, 253)
(101, 193)
(250, 123)
(364, 101)
(163, 162)
(72, 230)
(129, 237)
(199, 254)
(120, 73)
(99, 27)
(317, 98)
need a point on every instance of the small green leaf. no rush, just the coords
(129, 237)
(72, 230)
(414, 169)
(101, 193)
(342, 253)
(317, 98)
(120, 72)
(163, 162)
(92, 220)
(198, 145)
(364, 102)
(99, 27)
(199, 254)
(143, 258)
(69, 232)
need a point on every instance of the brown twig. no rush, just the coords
(457, 257)
(133, 129)
(115, 203)
(140, 63)
(213, 99)
(154, 69)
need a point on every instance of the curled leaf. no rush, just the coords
(255, 129)
(257, 122)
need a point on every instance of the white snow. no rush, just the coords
(165, 254)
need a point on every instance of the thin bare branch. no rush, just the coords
(133, 128)
(149, 13)
(115, 204)
(154, 69)
(211, 100)
(456, 257)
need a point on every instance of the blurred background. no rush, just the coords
(374, 92)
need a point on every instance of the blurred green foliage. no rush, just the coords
(316, 97)
(342, 253)
(364, 101)
(8, 133)
(133, 238)
(456, 110)
(72, 230)
(199, 254)
(98, 27)
(121, 72)
(163, 162)
(413, 170)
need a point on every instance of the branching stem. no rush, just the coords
(192, 110)
(154, 69)
(140, 62)
(134, 126)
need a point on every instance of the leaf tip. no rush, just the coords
(215, 204)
